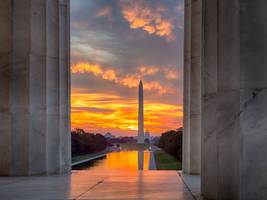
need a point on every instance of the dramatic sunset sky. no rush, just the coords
(114, 44)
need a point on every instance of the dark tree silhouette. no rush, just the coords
(86, 143)
(171, 142)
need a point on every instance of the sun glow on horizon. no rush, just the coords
(105, 112)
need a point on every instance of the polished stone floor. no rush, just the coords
(93, 184)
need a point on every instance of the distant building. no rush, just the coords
(108, 135)
(147, 135)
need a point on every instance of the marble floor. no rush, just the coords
(109, 184)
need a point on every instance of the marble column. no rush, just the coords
(253, 98)
(234, 95)
(34, 87)
(5, 114)
(192, 87)
(210, 89)
(221, 100)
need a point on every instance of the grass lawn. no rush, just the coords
(134, 146)
(165, 161)
(87, 156)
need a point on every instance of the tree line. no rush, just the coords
(171, 142)
(86, 143)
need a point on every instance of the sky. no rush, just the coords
(116, 43)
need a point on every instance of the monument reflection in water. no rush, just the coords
(130, 160)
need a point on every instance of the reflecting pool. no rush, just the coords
(130, 160)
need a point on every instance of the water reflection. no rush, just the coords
(140, 160)
(133, 160)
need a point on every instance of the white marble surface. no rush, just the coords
(193, 184)
(115, 185)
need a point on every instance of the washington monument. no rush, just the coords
(140, 113)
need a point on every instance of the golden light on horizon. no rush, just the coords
(105, 112)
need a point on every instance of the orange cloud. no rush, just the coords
(171, 74)
(95, 69)
(113, 113)
(129, 81)
(144, 70)
(147, 18)
(156, 86)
